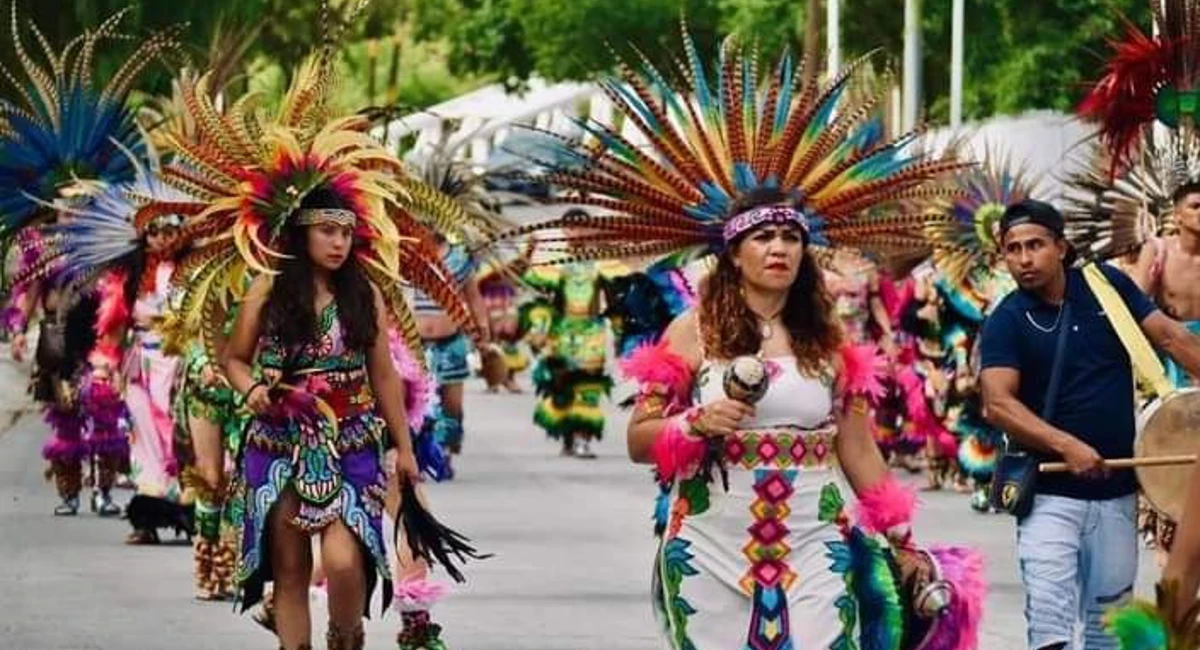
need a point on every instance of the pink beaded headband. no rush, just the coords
(751, 219)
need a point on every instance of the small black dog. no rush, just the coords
(147, 514)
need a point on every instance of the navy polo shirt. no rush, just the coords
(1096, 397)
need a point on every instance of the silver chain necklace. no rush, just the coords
(1053, 327)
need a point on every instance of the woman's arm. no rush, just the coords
(385, 381)
(859, 455)
(649, 420)
(478, 308)
(238, 357)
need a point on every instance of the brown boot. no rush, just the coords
(339, 639)
(223, 564)
(202, 551)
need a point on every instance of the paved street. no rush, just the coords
(571, 537)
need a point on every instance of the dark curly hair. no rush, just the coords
(291, 315)
(728, 327)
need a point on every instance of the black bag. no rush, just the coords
(1015, 478)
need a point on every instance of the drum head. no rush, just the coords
(1168, 427)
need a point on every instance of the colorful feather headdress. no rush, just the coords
(964, 229)
(250, 172)
(1111, 216)
(60, 126)
(441, 170)
(709, 144)
(104, 233)
(1148, 79)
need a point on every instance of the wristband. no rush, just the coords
(246, 395)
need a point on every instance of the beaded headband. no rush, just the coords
(751, 219)
(166, 221)
(314, 216)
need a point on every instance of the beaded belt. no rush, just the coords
(345, 391)
(782, 448)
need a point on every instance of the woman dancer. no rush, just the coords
(129, 354)
(321, 214)
(64, 143)
(206, 406)
(448, 346)
(571, 377)
(320, 330)
(759, 548)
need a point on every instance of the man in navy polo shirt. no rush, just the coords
(1078, 546)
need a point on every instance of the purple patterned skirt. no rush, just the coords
(348, 486)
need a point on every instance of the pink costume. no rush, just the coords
(149, 375)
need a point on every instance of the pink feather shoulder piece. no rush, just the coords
(659, 369)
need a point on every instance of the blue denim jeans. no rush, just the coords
(1078, 559)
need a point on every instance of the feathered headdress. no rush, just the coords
(710, 144)
(441, 170)
(105, 232)
(60, 126)
(963, 231)
(1148, 79)
(1107, 216)
(250, 172)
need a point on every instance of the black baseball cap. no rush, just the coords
(1042, 214)
(1036, 212)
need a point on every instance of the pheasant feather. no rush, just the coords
(721, 132)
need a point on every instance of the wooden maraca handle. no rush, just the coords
(1126, 463)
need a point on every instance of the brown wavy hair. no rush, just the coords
(729, 329)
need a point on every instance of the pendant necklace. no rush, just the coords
(765, 327)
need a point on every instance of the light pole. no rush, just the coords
(833, 36)
(956, 63)
(912, 62)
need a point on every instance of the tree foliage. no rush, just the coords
(1019, 54)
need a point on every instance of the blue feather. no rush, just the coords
(785, 93)
(699, 77)
(37, 158)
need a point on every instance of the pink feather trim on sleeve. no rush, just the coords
(113, 313)
(885, 506)
(418, 384)
(656, 365)
(862, 372)
(675, 453)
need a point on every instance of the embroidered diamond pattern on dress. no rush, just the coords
(768, 550)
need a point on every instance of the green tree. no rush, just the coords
(513, 39)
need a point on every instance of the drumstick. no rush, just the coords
(1125, 463)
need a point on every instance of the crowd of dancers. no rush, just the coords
(261, 319)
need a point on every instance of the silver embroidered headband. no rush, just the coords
(751, 219)
(166, 221)
(314, 216)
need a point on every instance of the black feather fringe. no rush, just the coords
(430, 539)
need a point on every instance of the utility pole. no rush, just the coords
(833, 36)
(912, 62)
(956, 63)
